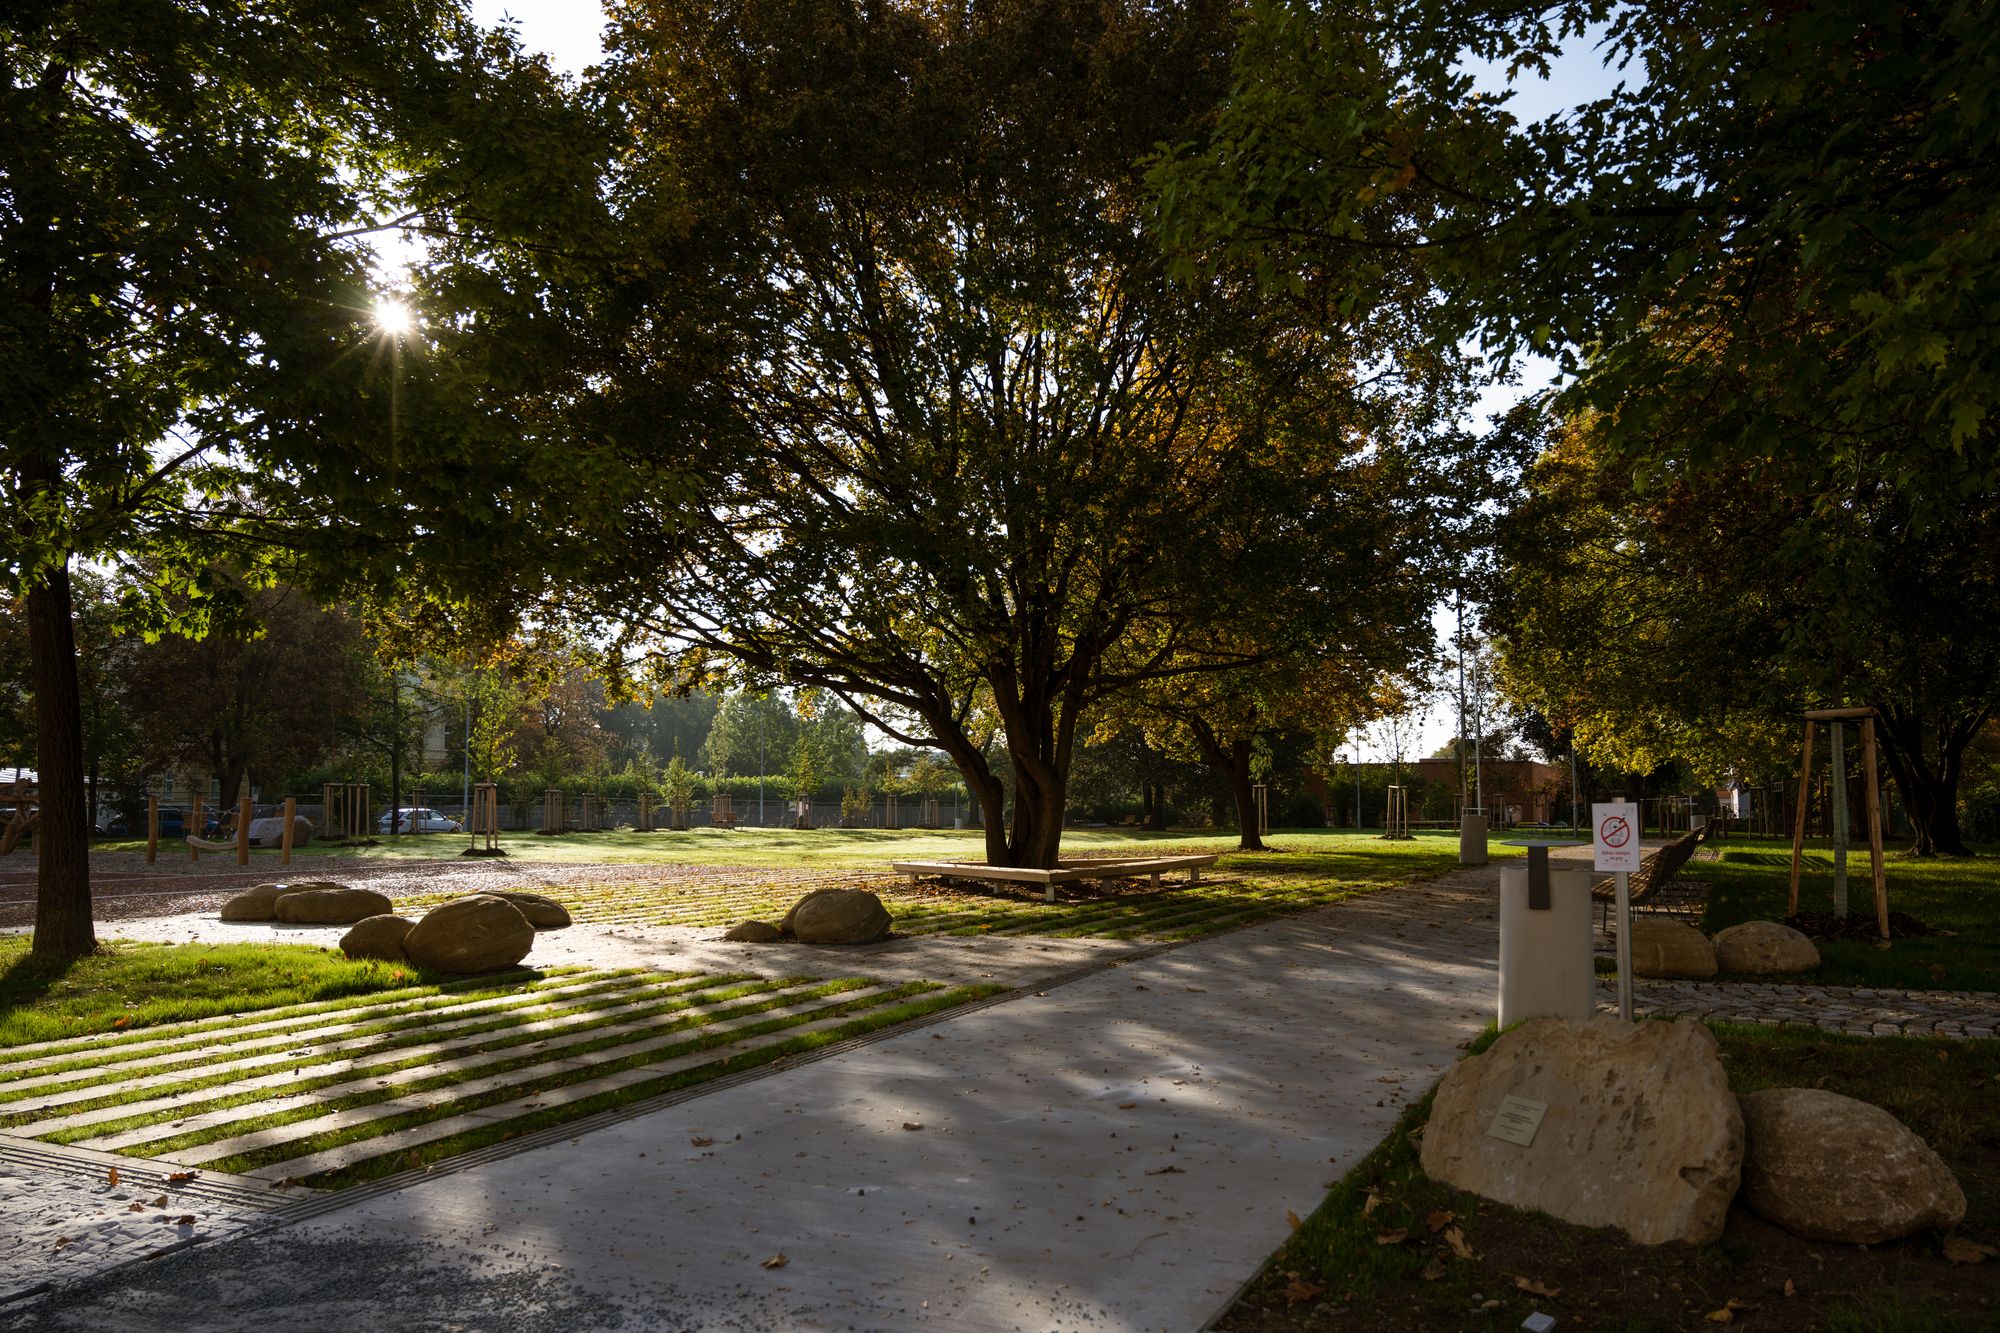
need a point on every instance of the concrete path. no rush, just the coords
(1118, 1151)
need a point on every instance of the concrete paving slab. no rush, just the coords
(1116, 1152)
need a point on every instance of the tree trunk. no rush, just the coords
(62, 904)
(1156, 807)
(395, 755)
(1232, 761)
(1929, 790)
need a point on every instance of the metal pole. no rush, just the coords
(1573, 825)
(465, 796)
(1624, 948)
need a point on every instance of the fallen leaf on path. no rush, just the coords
(1166, 1171)
(178, 1176)
(777, 1260)
(1396, 1237)
(1198, 990)
(160, 1202)
(912, 1124)
(1293, 1219)
(112, 1177)
(184, 1220)
(1440, 1219)
(1298, 1291)
(138, 1207)
(1965, 1250)
(1790, 1290)
(1534, 1288)
(1456, 1239)
(1126, 1106)
(1727, 1314)
(701, 1143)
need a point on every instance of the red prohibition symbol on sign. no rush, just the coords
(1616, 831)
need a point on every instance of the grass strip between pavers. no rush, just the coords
(147, 1063)
(520, 1023)
(501, 1131)
(453, 992)
(680, 1000)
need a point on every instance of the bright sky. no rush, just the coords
(570, 32)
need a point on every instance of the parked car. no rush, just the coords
(421, 819)
(173, 822)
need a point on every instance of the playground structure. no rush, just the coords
(1836, 720)
(1260, 797)
(24, 812)
(1395, 820)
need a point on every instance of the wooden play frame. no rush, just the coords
(1871, 802)
(1065, 872)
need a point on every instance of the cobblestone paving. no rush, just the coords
(1877, 1013)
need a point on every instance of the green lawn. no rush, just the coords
(1371, 1257)
(827, 848)
(1957, 896)
(125, 986)
(1300, 871)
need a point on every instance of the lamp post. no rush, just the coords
(395, 319)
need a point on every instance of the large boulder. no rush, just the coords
(480, 933)
(1662, 948)
(785, 924)
(1640, 1131)
(261, 903)
(270, 832)
(542, 913)
(1828, 1167)
(838, 916)
(754, 932)
(1764, 948)
(377, 937)
(329, 905)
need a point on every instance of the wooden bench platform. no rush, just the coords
(1065, 872)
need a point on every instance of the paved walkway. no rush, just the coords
(1117, 1150)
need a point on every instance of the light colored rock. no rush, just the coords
(256, 904)
(377, 937)
(1641, 1131)
(1829, 1167)
(1663, 948)
(260, 903)
(270, 831)
(839, 916)
(329, 905)
(754, 932)
(1764, 948)
(542, 913)
(479, 933)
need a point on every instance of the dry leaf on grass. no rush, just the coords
(1455, 1238)
(1435, 1269)
(1396, 1237)
(1439, 1220)
(1293, 1219)
(1790, 1290)
(1965, 1250)
(1374, 1202)
(1727, 1314)
(1298, 1290)
(777, 1260)
(1534, 1288)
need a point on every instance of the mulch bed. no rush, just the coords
(1856, 926)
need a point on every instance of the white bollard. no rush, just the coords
(1546, 964)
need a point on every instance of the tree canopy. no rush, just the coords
(961, 451)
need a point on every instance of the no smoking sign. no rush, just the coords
(1615, 835)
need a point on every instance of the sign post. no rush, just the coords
(1614, 827)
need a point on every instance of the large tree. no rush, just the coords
(187, 360)
(1808, 185)
(1694, 618)
(967, 455)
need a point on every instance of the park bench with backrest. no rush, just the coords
(1651, 887)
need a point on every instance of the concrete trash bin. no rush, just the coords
(1546, 966)
(1472, 840)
